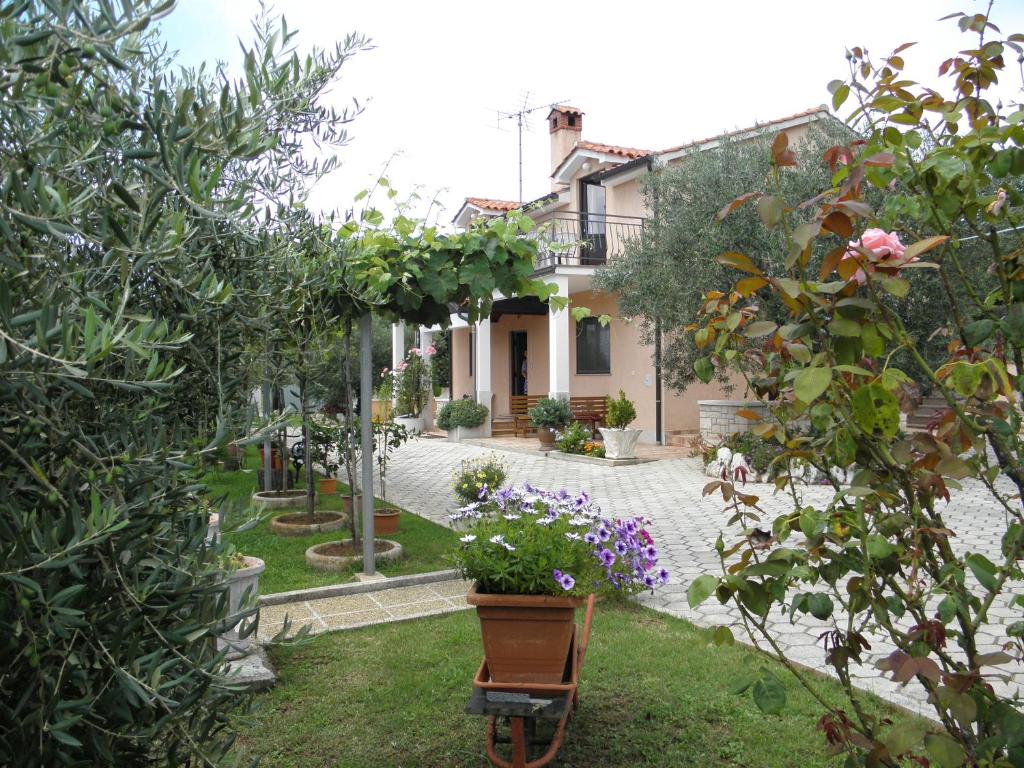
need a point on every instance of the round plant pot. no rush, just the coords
(328, 485)
(620, 443)
(414, 424)
(385, 520)
(546, 436)
(526, 637)
(321, 557)
(299, 524)
(346, 503)
(243, 589)
(278, 499)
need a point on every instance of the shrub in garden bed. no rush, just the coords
(577, 439)
(477, 476)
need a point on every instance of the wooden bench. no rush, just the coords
(519, 406)
(589, 411)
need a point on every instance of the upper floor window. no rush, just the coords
(593, 346)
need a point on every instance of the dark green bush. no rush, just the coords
(461, 413)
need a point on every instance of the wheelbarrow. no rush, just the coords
(530, 709)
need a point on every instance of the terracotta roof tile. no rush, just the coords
(492, 205)
(698, 142)
(610, 149)
(567, 109)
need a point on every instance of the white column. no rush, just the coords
(397, 352)
(482, 371)
(397, 344)
(559, 326)
(426, 339)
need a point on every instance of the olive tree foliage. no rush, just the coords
(661, 276)
(135, 210)
(900, 589)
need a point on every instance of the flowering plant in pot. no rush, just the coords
(411, 382)
(534, 555)
(475, 478)
(619, 440)
(548, 415)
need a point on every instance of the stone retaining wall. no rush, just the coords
(720, 418)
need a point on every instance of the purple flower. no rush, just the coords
(607, 557)
(591, 538)
(483, 492)
(650, 581)
(631, 527)
(620, 547)
(663, 576)
(603, 533)
(566, 581)
(651, 552)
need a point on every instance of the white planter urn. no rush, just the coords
(243, 590)
(414, 424)
(620, 443)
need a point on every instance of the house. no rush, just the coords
(595, 206)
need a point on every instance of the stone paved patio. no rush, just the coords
(685, 526)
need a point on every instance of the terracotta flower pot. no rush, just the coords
(546, 436)
(385, 521)
(346, 503)
(328, 485)
(526, 637)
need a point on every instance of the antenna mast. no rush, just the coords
(520, 117)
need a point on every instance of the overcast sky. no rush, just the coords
(647, 74)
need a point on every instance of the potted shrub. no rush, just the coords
(619, 440)
(411, 382)
(533, 556)
(462, 419)
(387, 435)
(477, 477)
(547, 416)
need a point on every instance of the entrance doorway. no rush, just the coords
(520, 373)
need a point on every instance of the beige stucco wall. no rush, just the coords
(462, 382)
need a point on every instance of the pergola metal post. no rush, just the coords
(366, 436)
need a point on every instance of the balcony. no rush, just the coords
(573, 238)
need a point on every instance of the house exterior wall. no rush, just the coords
(462, 382)
(536, 327)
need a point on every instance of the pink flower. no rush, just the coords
(403, 365)
(384, 372)
(885, 252)
(415, 351)
(431, 351)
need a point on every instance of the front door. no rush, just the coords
(520, 374)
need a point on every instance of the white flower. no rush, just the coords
(498, 539)
(572, 536)
(545, 520)
(511, 516)
(469, 537)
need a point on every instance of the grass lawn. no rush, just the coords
(654, 692)
(424, 544)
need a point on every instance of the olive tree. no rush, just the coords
(132, 206)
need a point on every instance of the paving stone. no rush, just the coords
(330, 606)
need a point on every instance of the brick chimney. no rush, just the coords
(566, 126)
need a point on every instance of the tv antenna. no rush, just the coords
(520, 116)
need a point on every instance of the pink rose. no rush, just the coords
(403, 365)
(431, 351)
(384, 372)
(415, 351)
(886, 252)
